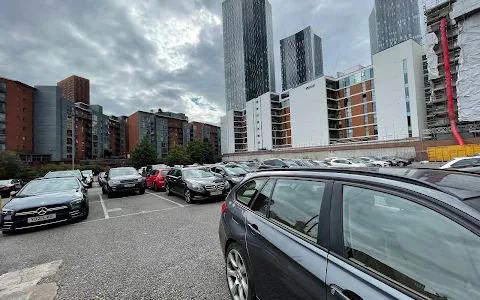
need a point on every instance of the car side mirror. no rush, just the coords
(13, 193)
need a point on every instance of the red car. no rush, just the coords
(156, 179)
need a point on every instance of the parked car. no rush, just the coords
(8, 186)
(303, 163)
(101, 178)
(375, 162)
(277, 163)
(475, 169)
(361, 162)
(156, 179)
(195, 184)
(460, 162)
(233, 173)
(45, 201)
(88, 174)
(150, 168)
(69, 173)
(395, 161)
(383, 233)
(345, 163)
(118, 180)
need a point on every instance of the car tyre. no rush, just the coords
(111, 194)
(237, 273)
(155, 187)
(188, 196)
(401, 164)
(103, 190)
(167, 190)
(87, 211)
(141, 191)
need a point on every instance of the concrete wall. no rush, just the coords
(406, 152)
(390, 90)
(308, 114)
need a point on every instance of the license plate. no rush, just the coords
(129, 185)
(215, 193)
(41, 218)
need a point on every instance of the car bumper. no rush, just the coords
(126, 187)
(205, 195)
(21, 222)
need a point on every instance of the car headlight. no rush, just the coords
(114, 182)
(7, 212)
(227, 185)
(197, 186)
(76, 201)
(236, 179)
(140, 179)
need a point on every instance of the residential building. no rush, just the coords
(301, 58)
(100, 138)
(75, 89)
(464, 70)
(392, 22)
(206, 132)
(234, 132)
(399, 89)
(118, 135)
(83, 131)
(163, 129)
(16, 116)
(52, 123)
(248, 51)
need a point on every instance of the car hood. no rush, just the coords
(208, 180)
(127, 177)
(43, 199)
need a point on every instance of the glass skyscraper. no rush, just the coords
(301, 58)
(248, 50)
(392, 22)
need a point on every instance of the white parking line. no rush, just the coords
(163, 198)
(114, 209)
(105, 212)
(132, 214)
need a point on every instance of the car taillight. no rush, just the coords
(224, 206)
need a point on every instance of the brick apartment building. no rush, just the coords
(118, 136)
(76, 89)
(201, 132)
(16, 116)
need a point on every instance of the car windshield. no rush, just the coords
(45, 186)
(244, 166)
(122, 172)
(355, 160)
(158, 167)
(87, 172)
(196, 173)
(4, 182)
(58, 174)
(235, 170)
(290, 163)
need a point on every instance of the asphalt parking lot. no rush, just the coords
(134, 247)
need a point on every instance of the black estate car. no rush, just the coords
(195, 183)
(117, 180)
(45, 201)
(384, 233)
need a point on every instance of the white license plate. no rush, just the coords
(41, 218)
(129, 185)
(215, 193)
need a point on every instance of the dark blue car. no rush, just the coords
(382, 233)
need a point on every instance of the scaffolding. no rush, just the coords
(438, 123)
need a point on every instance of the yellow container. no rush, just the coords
(446, 153)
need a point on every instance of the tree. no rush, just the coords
(144, 154)
(11, 166)
(200, 152)
(176, 156)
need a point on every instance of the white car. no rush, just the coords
(379, 163)
(460, 162)
(345, 163)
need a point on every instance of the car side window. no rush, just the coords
(296, 204)
(249, 190)
(269, 163)
(411, 245)
(278, 163)
(261, 202)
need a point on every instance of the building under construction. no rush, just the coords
(461, 20)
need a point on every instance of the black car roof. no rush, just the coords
(461, 185)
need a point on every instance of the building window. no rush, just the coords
(18, 137)
(24, 110)
(24, 119)
(18, 108)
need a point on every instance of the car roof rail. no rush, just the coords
(367, 172)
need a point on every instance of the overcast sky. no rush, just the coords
(165, 54)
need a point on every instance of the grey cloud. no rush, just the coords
(122, 46)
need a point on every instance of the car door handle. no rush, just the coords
(337, 291)
(253, 228)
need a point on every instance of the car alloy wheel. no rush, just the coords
(188, 196)
(167, 190)
(237, 276)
